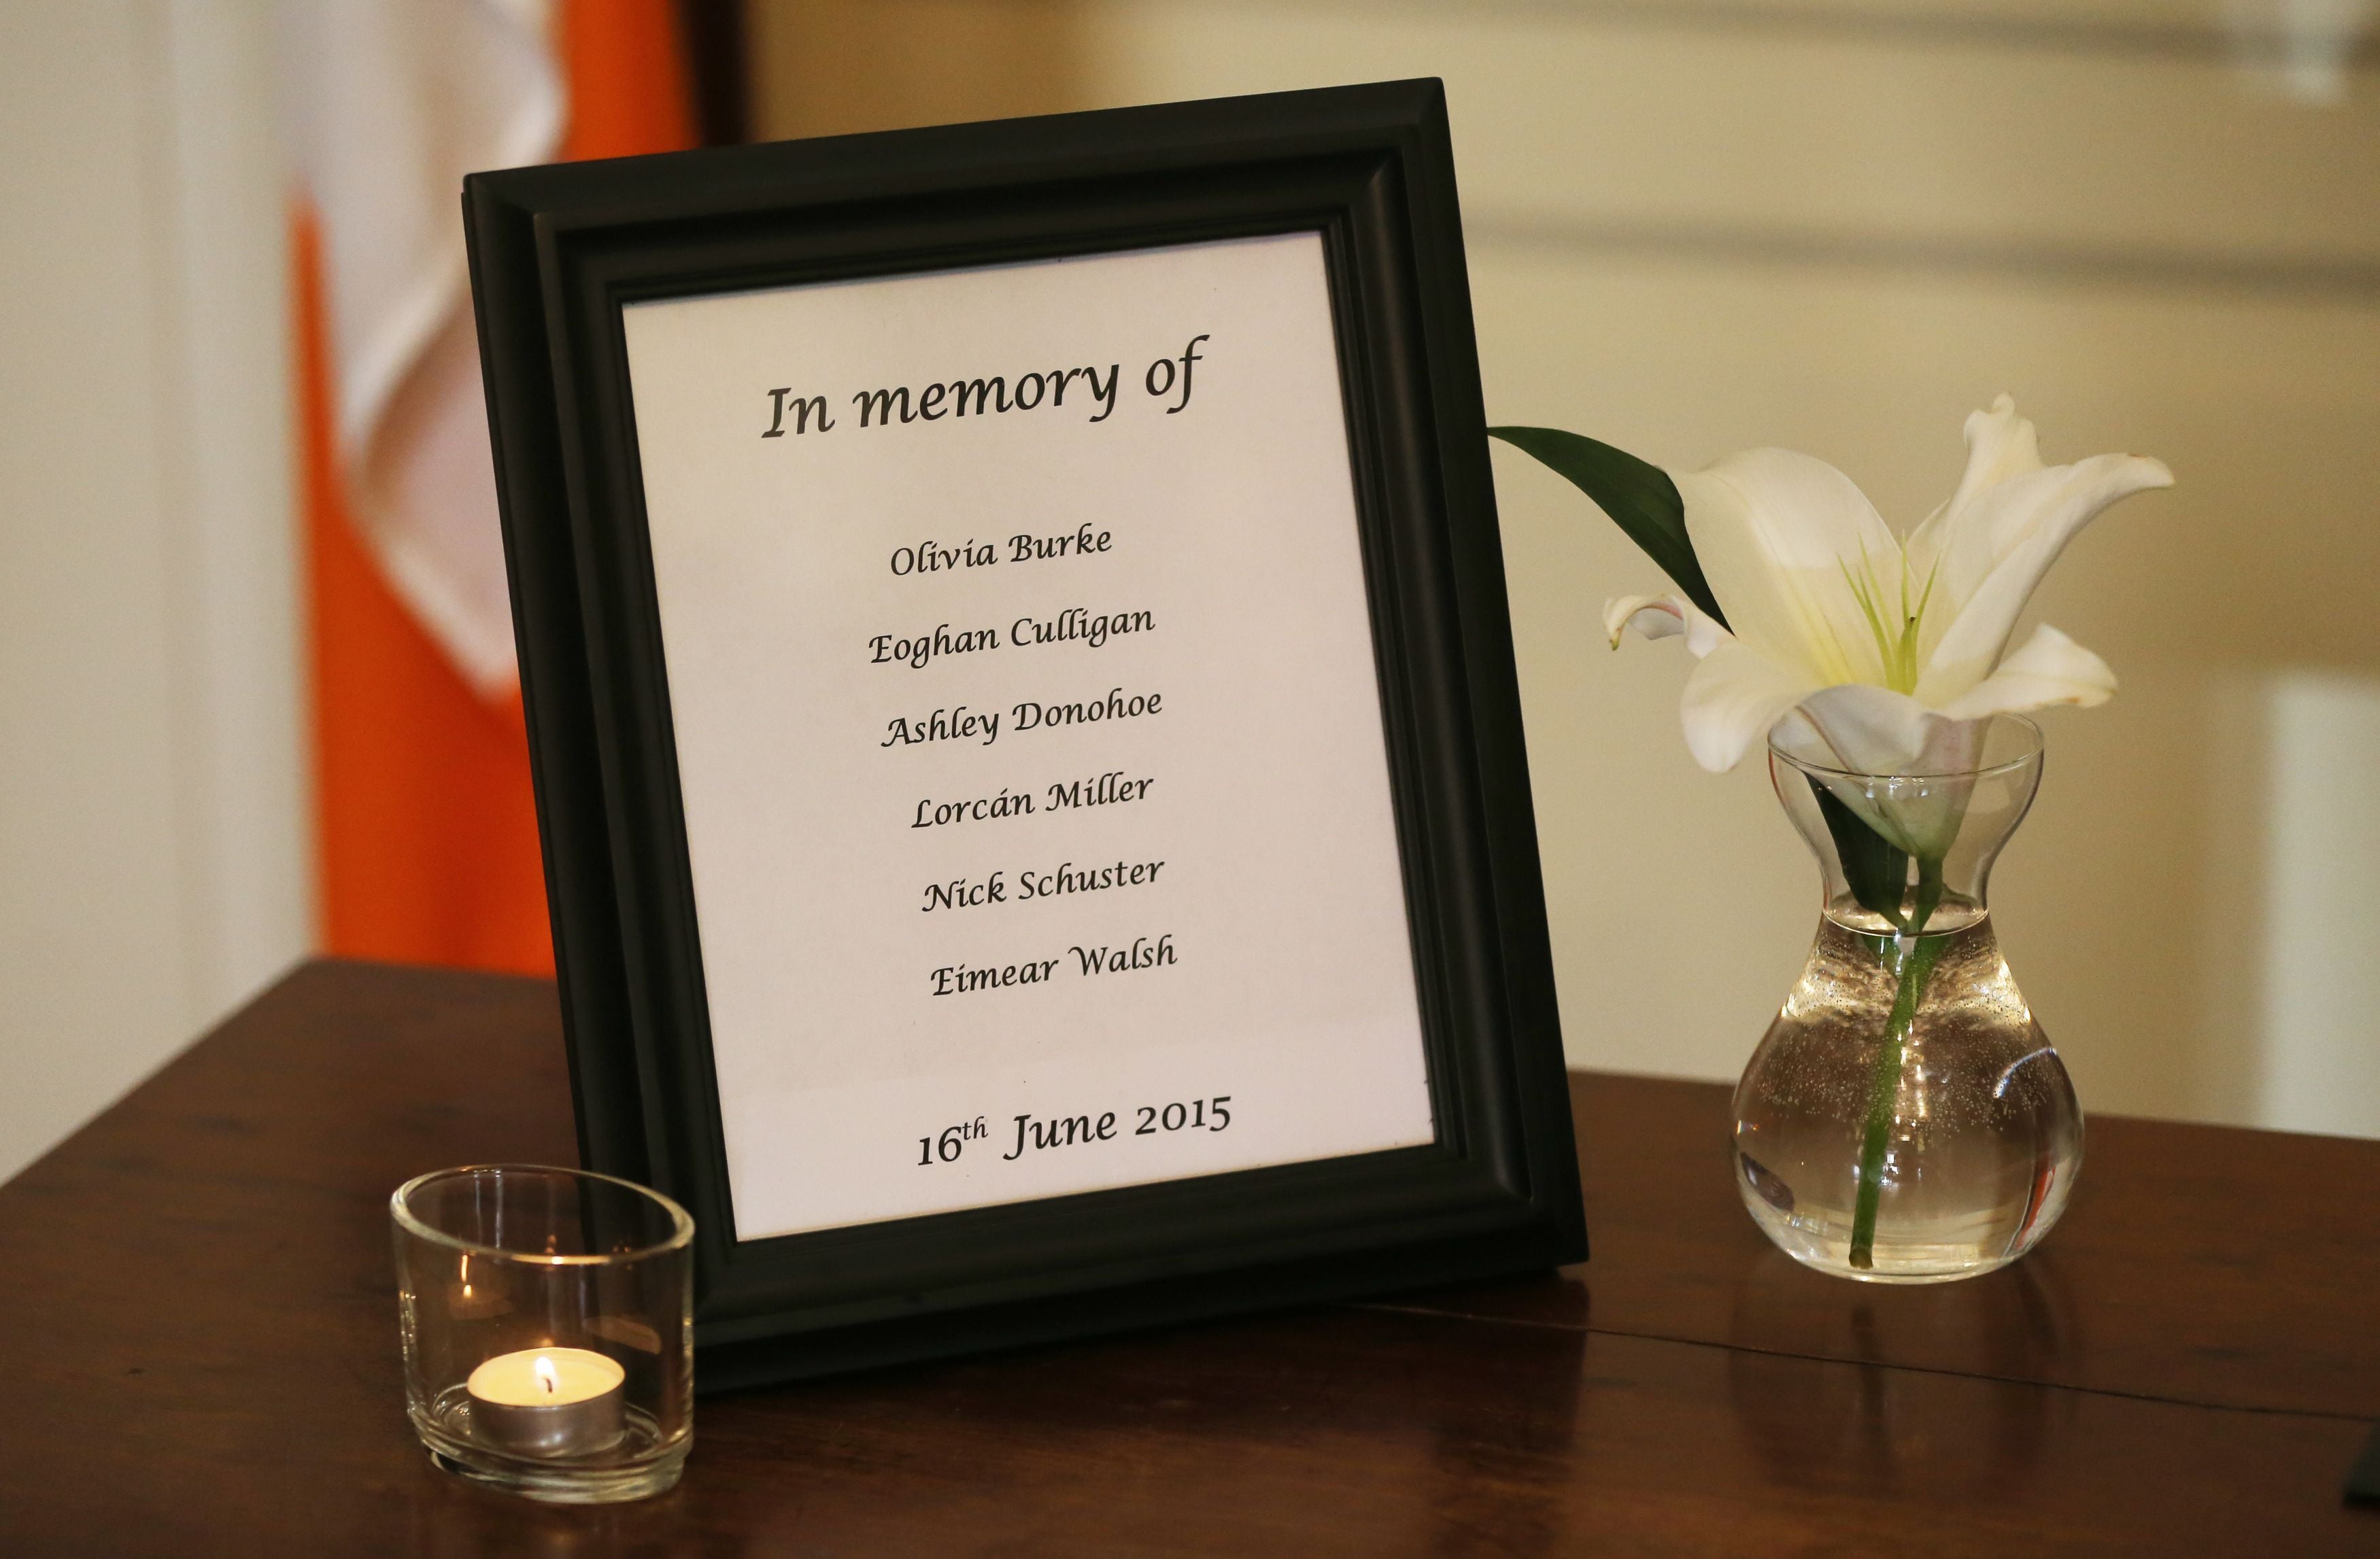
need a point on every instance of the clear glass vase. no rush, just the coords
(1905, 1120)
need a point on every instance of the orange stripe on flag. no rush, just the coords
(425, 826)
(627, 69)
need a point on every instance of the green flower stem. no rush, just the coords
(1913, 954)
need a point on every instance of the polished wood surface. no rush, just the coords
(198, 1337)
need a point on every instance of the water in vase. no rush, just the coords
(1953, 1107)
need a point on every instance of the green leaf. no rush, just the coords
(1876, 868)
(1640, 498)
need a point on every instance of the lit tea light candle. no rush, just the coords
(548, 1402)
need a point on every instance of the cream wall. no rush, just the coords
(152, 847)
(1837, 228)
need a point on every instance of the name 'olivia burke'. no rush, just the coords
(931, 556)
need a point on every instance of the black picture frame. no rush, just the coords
(556, 252)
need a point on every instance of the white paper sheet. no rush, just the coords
(1242, 865)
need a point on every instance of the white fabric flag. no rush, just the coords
(390, 103)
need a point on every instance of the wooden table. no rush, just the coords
(200, 1352)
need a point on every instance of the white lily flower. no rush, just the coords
(1889, 656)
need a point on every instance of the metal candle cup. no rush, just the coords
(548, 1402)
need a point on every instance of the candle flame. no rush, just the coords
(545, 1375)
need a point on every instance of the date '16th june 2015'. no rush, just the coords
(1037, 1134)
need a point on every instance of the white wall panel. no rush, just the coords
(2318, 1065)
(152, 821)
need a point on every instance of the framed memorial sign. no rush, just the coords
(1014, 642)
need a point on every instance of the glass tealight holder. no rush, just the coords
(546, 1316)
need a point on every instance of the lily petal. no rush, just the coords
(1663, 617)
(2048, 669)
(2001, 446)
(1999, 552)
(1776, 533)
(1732, 700)
(1878, 732)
